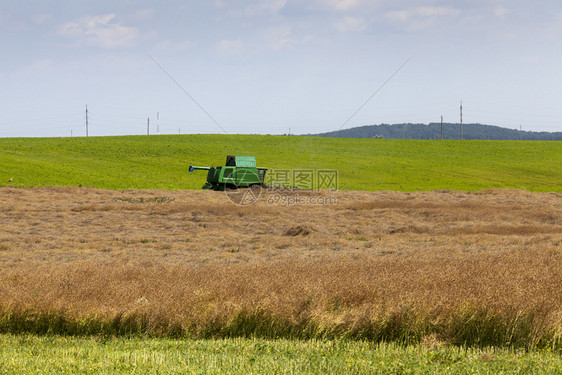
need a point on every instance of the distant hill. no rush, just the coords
(433, 131)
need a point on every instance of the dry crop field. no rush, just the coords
(481, 268)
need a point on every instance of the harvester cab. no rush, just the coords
(239, 172)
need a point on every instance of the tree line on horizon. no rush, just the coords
(433, 131)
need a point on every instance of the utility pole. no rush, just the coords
(86, 120)
(461, 119)
(158, 123)
(441, 126)
(148, 126)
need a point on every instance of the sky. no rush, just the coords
(276, 66)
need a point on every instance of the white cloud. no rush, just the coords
(407, 15)
(437, 11)
(245, 8)
(144, 14)
(280, 37)
(501, 11)
(265, 7)
(399, 15)
(219, 4)
(341, 5)
(229, 47)
(351, 24)
(99, 31)
(421, 17)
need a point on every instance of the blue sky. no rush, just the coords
(266, 67)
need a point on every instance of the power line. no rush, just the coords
(377, 91)
(188, 95)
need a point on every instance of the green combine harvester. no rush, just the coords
(239, 172)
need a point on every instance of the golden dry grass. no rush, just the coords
(435, 261)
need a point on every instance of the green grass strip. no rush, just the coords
(102, 355)
(161, 162)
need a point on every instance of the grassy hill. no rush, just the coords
(161, 162)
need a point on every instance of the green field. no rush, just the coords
(161, 162)
(71, 355)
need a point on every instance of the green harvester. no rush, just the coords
(239, 172)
